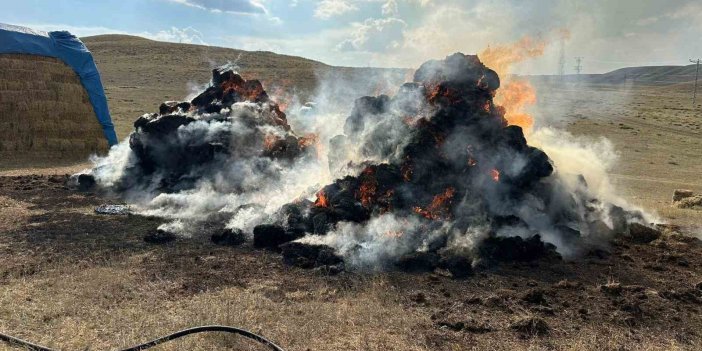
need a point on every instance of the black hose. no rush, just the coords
(147, 345)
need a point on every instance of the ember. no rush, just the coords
(321, 200)
(439, 207)
(495, 174)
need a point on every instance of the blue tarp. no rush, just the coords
(69, 49)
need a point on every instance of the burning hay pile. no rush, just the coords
(433, 177)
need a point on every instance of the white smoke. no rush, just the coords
(250, 190)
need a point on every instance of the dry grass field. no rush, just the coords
(74, 280)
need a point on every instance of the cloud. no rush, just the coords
(330, 8)
(187, 35)
(229, 6)
(390, 8)
(375, 35)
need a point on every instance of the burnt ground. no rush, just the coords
(72, 279)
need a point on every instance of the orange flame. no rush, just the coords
(366, 193)
(439, 207)
(321, 200)
(514, 95)
(495, 174)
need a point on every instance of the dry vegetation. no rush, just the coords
(46, 113)
(655, 130)
(75, 280)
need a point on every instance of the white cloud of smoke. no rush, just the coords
(247, 189)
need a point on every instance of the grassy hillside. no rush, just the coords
(649, 75)
(644, 75)
(139, 73)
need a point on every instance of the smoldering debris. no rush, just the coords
(233, 118)
(108, 209)
(455, 180)
(159, 236)
(432, 177)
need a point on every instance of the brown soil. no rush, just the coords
(73, 279)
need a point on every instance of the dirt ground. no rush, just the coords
(72, 279)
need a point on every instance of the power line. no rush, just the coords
(697, 74)
(578, 64)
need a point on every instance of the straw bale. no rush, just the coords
(44, 110)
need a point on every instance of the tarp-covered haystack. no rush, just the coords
(52, 103)
(45, 111)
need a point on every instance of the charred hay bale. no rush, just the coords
(170, 107)
(228, 237)
(641, 234)
(224, 74)
(466, 70)
(295, 218)
(270, 236)
(364, 108)
(309, 255)
(287, 148)
(618, 216)
(459, 266)
(321, 223)
(207, 97)
(228, 87)
(161, 125)
(418, 262)
(514, 249)
(159, 236)
(86, 182)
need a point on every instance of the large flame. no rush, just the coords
(515, 95)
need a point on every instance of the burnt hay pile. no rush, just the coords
(439, 179)
(233, 119)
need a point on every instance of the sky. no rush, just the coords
(395, 33)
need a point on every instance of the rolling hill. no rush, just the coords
(139, 73)
(644, 75)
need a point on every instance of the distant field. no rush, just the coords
(654, 129)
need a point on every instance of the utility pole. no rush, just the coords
(578, 65)
(697, 74)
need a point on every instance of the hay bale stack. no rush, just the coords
(45, 113)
